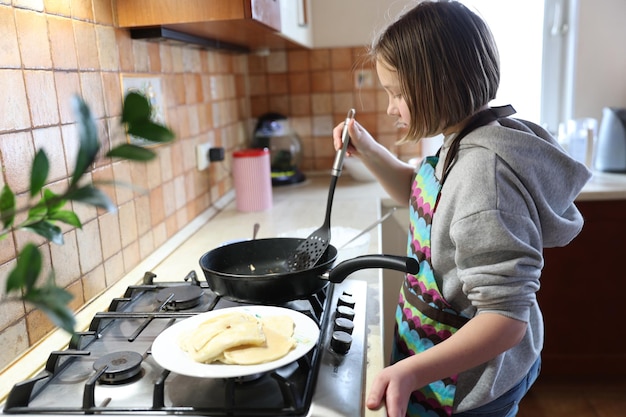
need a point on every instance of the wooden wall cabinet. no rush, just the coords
(254, 24)
(582, 296)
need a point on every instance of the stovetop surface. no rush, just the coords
(324, 381)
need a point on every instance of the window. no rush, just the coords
(517, 26)
(532, 38)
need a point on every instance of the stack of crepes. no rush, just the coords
(239, 338)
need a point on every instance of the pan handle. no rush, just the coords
(398, 263)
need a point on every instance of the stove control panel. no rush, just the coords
(341, 378)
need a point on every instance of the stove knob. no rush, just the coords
(341, 342)
(346, 300)
(344, 325)
(345, 312)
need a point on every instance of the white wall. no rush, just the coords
(344, 23)
(599, 77)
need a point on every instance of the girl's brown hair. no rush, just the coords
(447, 63)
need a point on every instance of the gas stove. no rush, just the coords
(108, 369)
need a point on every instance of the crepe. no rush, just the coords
(207, 342)
(239, 338)
(278, 332)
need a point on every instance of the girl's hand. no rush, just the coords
(360, 139)
(393, 385)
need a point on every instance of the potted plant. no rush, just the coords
(46, 209)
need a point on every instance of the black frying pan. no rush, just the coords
(255, 271)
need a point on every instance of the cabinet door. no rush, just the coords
(582, 294)
(295, 21)
(267, 12)
(137, 13)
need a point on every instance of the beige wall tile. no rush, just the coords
(89, 246)
(14, 341)
(103, 12)
(341, 59)
(82, 9)
(277, 84)
(131, 255)
(297, 60)
(86, 45)
(67, 86)
(64, 260)
(128, 223)
(17, 170)
(93, 283)
(141, 57)
(10, 309)
(7, 250)
(62, 44)
(157, 206)
(58, 7)
(41, 97)
(50, 140)
(114, 268)
(143, 213)
(169, 196)
(111, 240)
(112, 91)
(8, 39)
(33, 39)
(108, 55)
(319, 59)
(341, 80)
(146, 244)
(91, 87)
(277, 62)
(14, 105)
(123, 182)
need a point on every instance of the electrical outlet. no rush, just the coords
(202, 155)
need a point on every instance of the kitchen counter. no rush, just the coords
(604, 186)
(356, 205)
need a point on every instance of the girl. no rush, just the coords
(468, 331)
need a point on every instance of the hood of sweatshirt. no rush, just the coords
(549, 174)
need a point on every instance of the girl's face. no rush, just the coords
(397, 106)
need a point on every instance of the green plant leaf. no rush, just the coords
(151, 131)
(36, 213)
(53, 301)
(91, 195)
(136, 107)
(131, 152)
(88, 136)
(53, 201)
(46, 229)
(26, 270)
(66, 216)
(39, 173)
(7, 206)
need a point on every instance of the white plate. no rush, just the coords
(168, 354)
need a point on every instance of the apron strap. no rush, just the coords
(482, 118)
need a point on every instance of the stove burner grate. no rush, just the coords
(179, 298)
(118, 367)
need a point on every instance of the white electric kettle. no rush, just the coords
(610, 155)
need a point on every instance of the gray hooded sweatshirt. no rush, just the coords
(509, 194)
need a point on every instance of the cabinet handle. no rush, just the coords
(303, 18)
(559, 22)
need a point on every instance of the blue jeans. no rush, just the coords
(507, 405)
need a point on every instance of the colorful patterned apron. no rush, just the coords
(423, 317)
